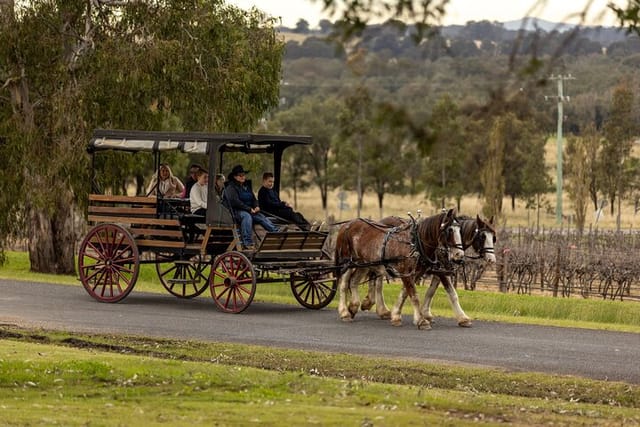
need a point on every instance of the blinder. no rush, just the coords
(478, 241)
(448, 232)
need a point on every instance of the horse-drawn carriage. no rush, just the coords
(192, 253)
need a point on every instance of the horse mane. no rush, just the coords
(429, 230)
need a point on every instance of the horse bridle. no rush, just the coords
(443, 231)
(477, 237)
(448, 230)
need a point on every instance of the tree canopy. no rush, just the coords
(69, 66)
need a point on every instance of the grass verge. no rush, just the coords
(49, 377)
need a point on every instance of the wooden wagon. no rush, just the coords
(192, 253)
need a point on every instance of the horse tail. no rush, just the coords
(343, 248)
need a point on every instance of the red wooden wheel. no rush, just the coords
(108, 262)
(183, 278)
(232, 282)
(314, 290)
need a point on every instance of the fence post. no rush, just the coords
(556, 279)
(503, 272)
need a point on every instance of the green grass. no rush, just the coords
(479, 305)
(53, 378)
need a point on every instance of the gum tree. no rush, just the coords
(69, 66)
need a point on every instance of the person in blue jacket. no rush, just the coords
(239, 198)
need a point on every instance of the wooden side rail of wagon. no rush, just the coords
(153, 229)
(139, 216)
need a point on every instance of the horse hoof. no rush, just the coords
(424, 326)
(386, 315)
(353, 309)
(366, 305)
(396, 322)
(465, 323)
(347, 319)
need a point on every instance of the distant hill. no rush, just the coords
(501, 31)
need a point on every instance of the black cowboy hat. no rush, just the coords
(237, 170)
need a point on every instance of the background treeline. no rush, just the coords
(467, 111)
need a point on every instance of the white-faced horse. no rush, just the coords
(476, 234)
(410, 250)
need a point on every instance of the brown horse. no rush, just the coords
(408, 251)
(476, 234)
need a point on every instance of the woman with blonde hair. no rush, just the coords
(168, 186)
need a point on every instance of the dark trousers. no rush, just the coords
(292, 216)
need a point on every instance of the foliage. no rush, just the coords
(357, 13)
(445, 169)
(67, 67)
(313, 115)
(619, 130)
(576, 172)
(355, 134)
(492, 173)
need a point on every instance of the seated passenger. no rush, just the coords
(219, 185)
(240, 199)
(191, 179)
(199, 193)
(169, 186)
(270, 202)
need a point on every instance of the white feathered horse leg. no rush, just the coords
(463, 320)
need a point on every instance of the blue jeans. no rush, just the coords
(246, 225)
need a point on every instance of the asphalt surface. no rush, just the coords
(594, 354)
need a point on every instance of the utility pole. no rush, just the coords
(560, 98)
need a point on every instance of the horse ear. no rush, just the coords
(479, 220)
(451, 213)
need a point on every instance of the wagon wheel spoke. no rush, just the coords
(185, 276)
(232, 282)
(314, 290)
(108, 262)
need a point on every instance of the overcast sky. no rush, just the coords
(458, 11)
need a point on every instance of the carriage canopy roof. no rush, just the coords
(191, 142)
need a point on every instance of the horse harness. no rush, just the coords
(477, 239)
(417, 249)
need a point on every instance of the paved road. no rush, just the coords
(594, 354)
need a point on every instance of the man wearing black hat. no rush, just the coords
(239, 197)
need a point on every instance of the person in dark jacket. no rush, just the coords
(191, 179)
(239, 198)
(270, 202)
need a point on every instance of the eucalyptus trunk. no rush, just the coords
(52, 237)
